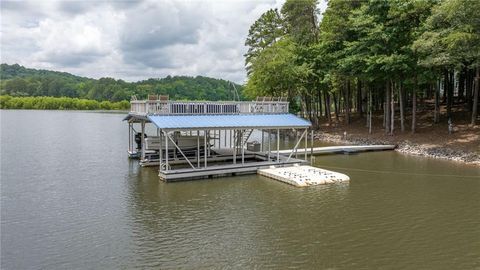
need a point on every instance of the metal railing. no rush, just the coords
(152, 107)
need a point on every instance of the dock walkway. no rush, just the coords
(341, 149)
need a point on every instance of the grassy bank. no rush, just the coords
(59, 103)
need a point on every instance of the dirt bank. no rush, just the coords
(430, 140)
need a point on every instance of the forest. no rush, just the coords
(385, 59)
(19, 81)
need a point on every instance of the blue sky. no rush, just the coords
(131, 40)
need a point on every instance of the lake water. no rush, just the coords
(71, 199)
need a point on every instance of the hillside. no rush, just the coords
(17, 80)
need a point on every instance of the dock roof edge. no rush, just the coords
(222, 121)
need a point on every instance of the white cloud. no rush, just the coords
(131, 40)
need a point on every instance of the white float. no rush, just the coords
(303, 176)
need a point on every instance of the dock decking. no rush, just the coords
(341, 149)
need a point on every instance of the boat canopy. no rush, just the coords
(240, 121)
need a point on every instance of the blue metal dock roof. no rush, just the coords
(256, 121)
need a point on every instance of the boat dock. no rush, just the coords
(203, 139)
(341, 149)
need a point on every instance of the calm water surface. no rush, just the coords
(71, 199)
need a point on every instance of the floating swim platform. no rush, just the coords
(304, 175)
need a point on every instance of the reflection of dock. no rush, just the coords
(341, 149)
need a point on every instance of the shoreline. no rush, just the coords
(406, 147)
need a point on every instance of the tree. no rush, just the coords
(264, 32)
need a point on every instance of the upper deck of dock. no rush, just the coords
(159, 106)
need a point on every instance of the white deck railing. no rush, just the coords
(149, 107)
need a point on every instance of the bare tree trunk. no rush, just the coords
(449, 87)
(386, 108)
(475, 97)
(370, 111)
(319, 104)
(335, 106)
(400, 96)
(359, 98)
(347, 103)
(461, 84)
(414, 106)
(392, 100)
(468, 95)
(436, 115)
(327, 107)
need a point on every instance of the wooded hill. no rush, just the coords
(370, 57)
(17, 80)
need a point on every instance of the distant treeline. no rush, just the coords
(17, 80)
(60, 103)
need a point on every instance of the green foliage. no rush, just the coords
(362, 46)
(451, 36)
(276, 72)
(21, 81)
(301, 20)
(263, 33)
(59, 103)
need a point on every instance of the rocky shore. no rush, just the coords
(406, 147)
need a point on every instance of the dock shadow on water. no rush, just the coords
(70, 198)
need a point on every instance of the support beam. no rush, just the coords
(143, 140)
(243, 148)
(205, 145)
(181, 152)
(294, 150)
(306, 143)
(296, 136)
(166, 150)
(311, 146)
(130, 137)
(235, 146)
(160, 154)
(278, 145)
(198, 149)
(269, 143)
(263, 141)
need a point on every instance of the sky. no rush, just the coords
(131, 40)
